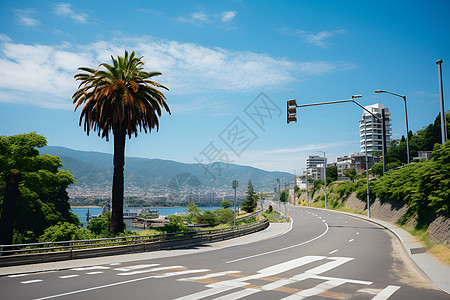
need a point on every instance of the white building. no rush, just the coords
(314, 166)
(370, 129)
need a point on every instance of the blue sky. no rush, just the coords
(225, 61)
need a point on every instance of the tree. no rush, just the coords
(226, 204)
(35, 194)
(332, 174)
(351, 173)
(284, 196)
(249, 204)
(123, 100)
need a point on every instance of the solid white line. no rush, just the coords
(386, 293)
(31, 281)
(68, 276)
(334, 251)
(281, 249)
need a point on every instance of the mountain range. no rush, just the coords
(93, 170)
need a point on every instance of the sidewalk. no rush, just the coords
(426, 264)
(272, 231)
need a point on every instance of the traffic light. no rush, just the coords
(291, 111)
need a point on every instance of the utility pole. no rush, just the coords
(441, 91)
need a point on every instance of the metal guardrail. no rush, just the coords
(18, 254)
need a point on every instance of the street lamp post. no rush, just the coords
(325, 175)
(235, 186)
(406, 117)
(441, 92)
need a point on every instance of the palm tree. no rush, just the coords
(122, 99)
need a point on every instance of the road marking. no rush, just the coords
(328, 282)
(324, 220)
(17, 275)
(91, 268)
(281, 249)
(334, 251)
(351, 240)
(181, 273)
(135, 267)
(357, 233)
(149, 270)
(118, 283)
(31, 281)
(68, 276)
(386, 293)
(115, 264)
(212, 275)
(94, 273)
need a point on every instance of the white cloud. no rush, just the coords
(43, 74)
(200, 18)
(64, 10)
(319, 39)
(282, 159)
(228, 16)
(24, 17)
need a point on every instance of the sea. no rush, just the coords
(163, 211)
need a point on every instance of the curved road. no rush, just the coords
(326, 255)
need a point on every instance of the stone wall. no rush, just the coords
(439, 230)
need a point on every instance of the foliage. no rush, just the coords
(100, 225)
(122, 99)
(208, 217)
(226, 203)
(423, 186)
(42, 200)
(344, 188)
(351, 173)
(249, 204)
(176, 225)
(270, 215)
(284, 196)
(423, 140)
(194, 213)
(332, 174)
(225, 215)
(65, 232)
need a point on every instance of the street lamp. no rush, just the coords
(325, 175)
(235, 186)
(441, 92)
(406, 116)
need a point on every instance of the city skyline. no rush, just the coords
(230, 67)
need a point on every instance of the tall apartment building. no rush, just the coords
(312, 166)
(370, 129)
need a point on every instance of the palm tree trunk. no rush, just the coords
(9, 207)
(118, 182)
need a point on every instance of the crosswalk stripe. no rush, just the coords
(135, 267)
(386, 293)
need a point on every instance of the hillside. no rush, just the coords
(94, 170)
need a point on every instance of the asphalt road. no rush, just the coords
(325, 255)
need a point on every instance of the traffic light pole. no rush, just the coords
(293, 116)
